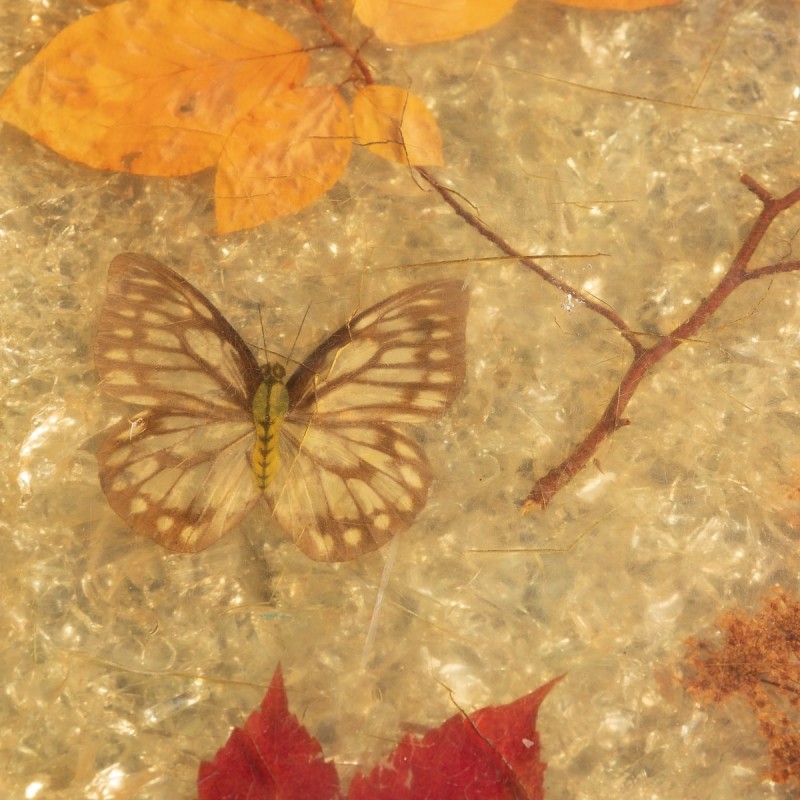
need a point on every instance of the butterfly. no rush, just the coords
(327, 448)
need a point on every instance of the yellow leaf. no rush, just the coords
(152, 87)
(396, 125)
(404, 22)
(283, 155)
(615, 5)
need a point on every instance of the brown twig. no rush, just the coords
(356, 58)
(644, 358)
(545, 488)
(456, 202)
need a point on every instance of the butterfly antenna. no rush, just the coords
(263, 331)
(297, 335)
(264, 347)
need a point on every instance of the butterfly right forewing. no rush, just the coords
(402, 360)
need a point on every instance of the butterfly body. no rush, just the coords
(328, 450)
(270, 406)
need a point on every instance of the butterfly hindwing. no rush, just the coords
(345, 491)
(179, 478)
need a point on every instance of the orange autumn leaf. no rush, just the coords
(404, 22)
(285, 153)
(615, 5)
(152, 87)
(396, 125)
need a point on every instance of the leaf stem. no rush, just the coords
(355, 56)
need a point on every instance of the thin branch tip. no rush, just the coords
(535, 501)
(756, 188)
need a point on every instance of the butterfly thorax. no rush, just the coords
(270, 404)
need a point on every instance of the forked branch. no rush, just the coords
(644, 358)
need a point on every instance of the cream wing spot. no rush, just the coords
(381, 522)
(164, 523)
(404, 501)
(139, 505)
(174, 308)
(148, 467)
(387, 326)
(402, 375)
(150, 317)
(405, 451)
(317, 541)
(400, 355)
(150, 357)
(120, 378)
(426, 399)
(202, 310)
(366, 497)
(188, 534)
(161, 337)
(411, 476)
(364, 435)
(203, 342)
(352, 537)
(142, 399)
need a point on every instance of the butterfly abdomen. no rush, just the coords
(270, 404)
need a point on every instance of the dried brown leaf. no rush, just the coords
(152, 87)
(283, 155)
(401, 22)
(616, 5)
(396, 125)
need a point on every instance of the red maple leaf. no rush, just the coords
(492, 754)
(273, 756)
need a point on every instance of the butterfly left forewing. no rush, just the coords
(350, 478)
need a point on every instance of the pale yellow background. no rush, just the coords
(571, 132)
